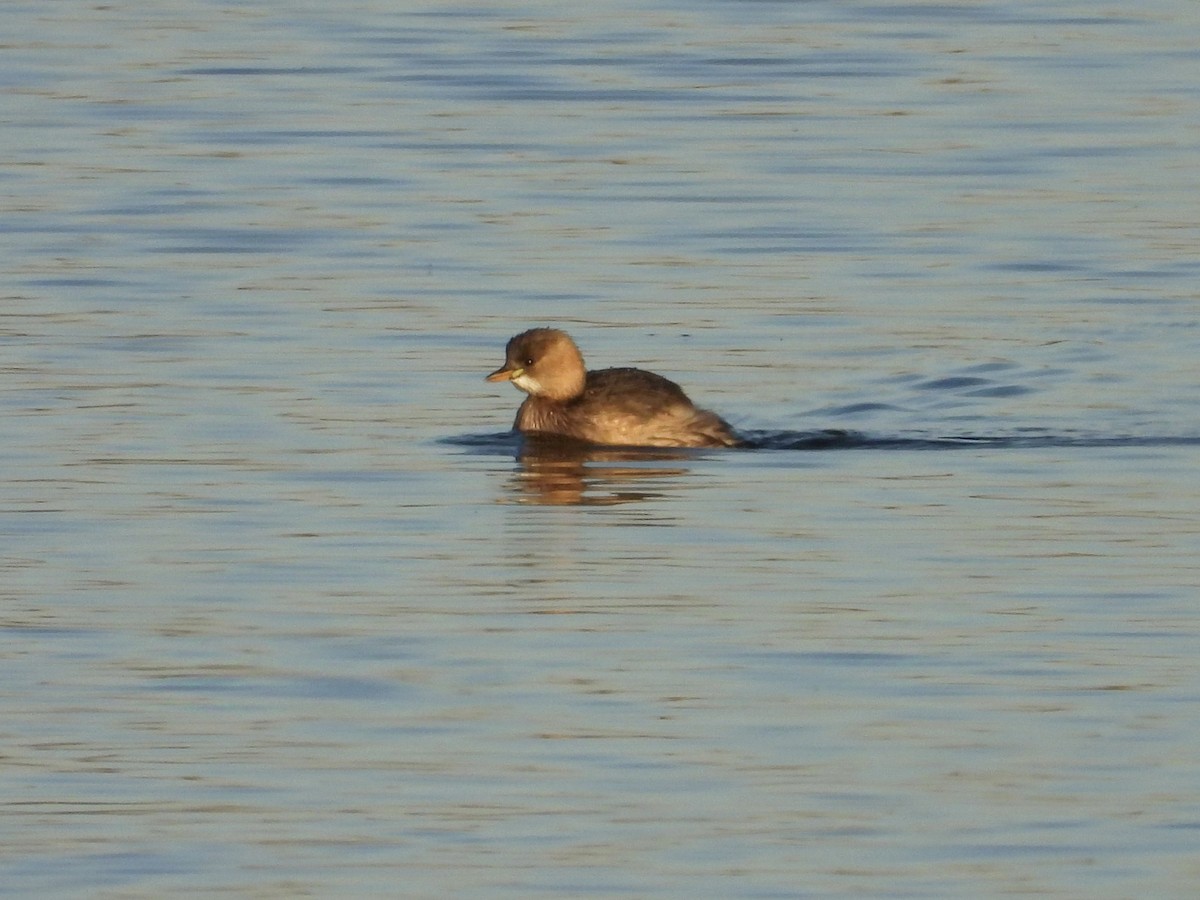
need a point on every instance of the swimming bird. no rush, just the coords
(617, 407)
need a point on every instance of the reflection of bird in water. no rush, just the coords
(617, 407)
(557, 472)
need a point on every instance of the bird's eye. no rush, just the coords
(529, 362)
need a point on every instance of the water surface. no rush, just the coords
(287, 611)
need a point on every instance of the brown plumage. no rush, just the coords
(621, 407)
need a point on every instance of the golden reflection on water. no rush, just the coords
(559, 472)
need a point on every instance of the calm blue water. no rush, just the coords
(286, 613)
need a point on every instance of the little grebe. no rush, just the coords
(622, 407)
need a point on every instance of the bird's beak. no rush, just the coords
(505, 374)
